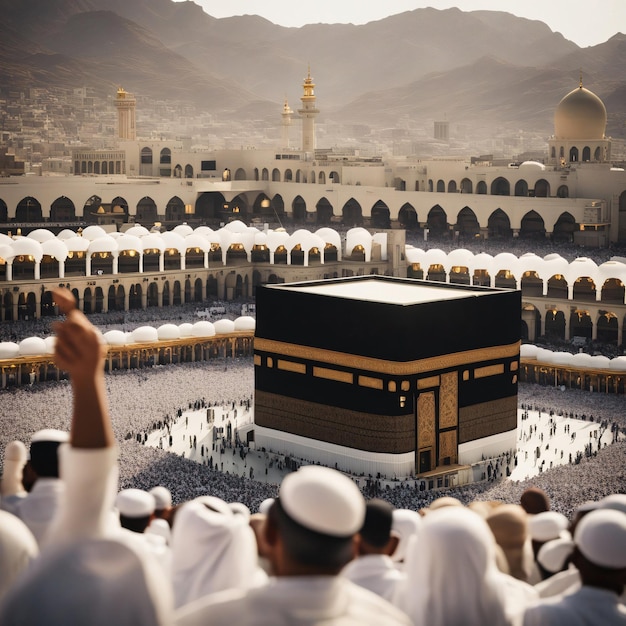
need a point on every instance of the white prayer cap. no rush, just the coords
(264, 507)
(135, 503)
(50, 434)
(161, 528)
(323, 500)
(616, 501)
(553, 554)
(15, 451)
(162, 497)
(601, 538)
(547, 525)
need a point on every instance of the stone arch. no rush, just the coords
(580, 324)
(481, 187)
(276, 175)
(499, 225)
(555, 324)
(265, 175)
(188, 171)
(607, 327)
(146, 211)
(145, 161)
(198, 290)
(119, 207)
(4, 212)
(564, 228)
(240, 174)
(288, 178)
(178, 171)
(262, 205)
(211, 287)
(239, 206)
(521, 188)
(321, 178)
(557, 287)
(165, 162)
(441, 186)
(586, 154)
(351, 213)
(467, 224)
(177, 293)
(452, 186)
(562, 192)
(298, 210)
(134, 297)
(380, 215)
(613, 291)
(278, 205)
(437, 222)
(500, 187)
(62, 210)
(334, 177)
(209, 205)
(584, 289)
(532, 226)
(152, 297)
(166, 294)
(174, 210)
(28, 210)
(407, 216)
(531, 284)
(542, 188)
(466, 186)
(573, 154)
(323, 211)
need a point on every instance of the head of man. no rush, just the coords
(311, 527)
(44, 446)
(136, 508)
(376, 536)
(600, 549)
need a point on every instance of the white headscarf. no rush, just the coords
(99, 582)
(18, 547)
(213, 549)
(452, 572)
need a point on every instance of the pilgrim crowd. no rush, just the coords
(94, 530)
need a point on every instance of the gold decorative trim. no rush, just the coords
(466, 375)
(391, 386)
(448, 401)
(372, 383)
(425, 383)
(290, 366)
(342, 377)
(489, 370)
(270, 361)
(514, 366)
(405, 385)
(257, 359)
(382, 366)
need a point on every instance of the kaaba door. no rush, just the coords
(437, 423)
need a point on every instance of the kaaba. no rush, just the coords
(384, 375)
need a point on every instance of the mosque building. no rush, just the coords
(150, 223)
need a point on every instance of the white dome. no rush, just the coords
(153, 241)
(168, 331)
(144, 334)
(582, 360)
(55, 248)
(245, 322)
(600, 362)
(223, 327)
(115, 337)
(50, 343)
(618, 363)
(533, 165)
(129, 242)
(237, 226)
(27, 247)
(137, 231)
(104, 244)
(32, 346)
(8, 350)
(66, 233)
(76, 244)
(528, 351)
(562, 358)
(186, 329)
(203, 329)
(41, 235)
(183, 230)
(94, 232)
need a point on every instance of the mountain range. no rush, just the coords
(479, 68)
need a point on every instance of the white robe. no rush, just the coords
(301, 600)
(377, 573)
(39, 507)
(589, 606)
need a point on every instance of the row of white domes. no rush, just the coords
(183, 237)
(36, 346)
(545, 267)
(581, 360)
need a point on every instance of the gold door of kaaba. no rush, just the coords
(437, 420)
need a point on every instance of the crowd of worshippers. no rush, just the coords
(74, 549)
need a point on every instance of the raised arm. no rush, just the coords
(80, 352)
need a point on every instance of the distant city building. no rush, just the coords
(125, 104)
(442, 131)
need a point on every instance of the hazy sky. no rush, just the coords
(585, 22)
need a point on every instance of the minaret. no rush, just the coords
(125, 104)
(308, 113)
(286, 123)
